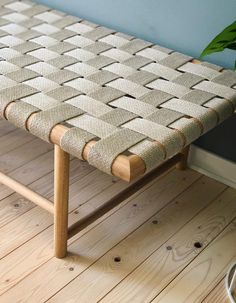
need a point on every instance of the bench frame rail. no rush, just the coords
(59, 208)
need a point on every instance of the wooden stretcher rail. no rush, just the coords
(61, 196)
(126, 167)
(27, 193)
(116, 200)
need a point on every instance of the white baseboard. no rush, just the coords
(212, 166)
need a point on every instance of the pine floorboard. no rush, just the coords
(172, 241)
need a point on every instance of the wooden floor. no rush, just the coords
(173, 241)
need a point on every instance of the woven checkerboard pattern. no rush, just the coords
(127, 94)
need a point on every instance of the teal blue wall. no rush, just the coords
(184, 25)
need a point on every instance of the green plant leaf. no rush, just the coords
(226, 39)
(232, 46)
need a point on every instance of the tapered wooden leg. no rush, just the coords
(184, 159)
(61, 196)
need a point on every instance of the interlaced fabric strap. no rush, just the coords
(124, 94)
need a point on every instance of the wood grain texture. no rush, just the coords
(87, 249)
(153, 233)
(199, 277)
(27, 192)
(168, 261)
(11, 142)
(218, 294)
(61, 201)
(6, 127)
(23, 154)
(139, 246)
(15, 205)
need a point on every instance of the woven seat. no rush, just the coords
(126, 95)
(118, 102)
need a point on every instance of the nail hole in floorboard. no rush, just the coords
(198, 244)
(117, 259)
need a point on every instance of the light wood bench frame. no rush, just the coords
(126, 167)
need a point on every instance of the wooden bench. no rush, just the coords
(122, 104)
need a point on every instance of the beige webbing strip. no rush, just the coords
(198, 69)
(134, 106)
(170, 139)
(10, 94)
(20, 112)
(188, 127)
(123, 93)
(42, 123)
(89, 105)
(220, 90)
(93, 125)
(169, 87)
(161, 70)
(151, 153)
(206, 116)
(104, 152)
(74, 141)
(221, 106)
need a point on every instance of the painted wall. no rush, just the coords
(184, 25)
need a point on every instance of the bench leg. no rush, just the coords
(184, 159)
(61, 197)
